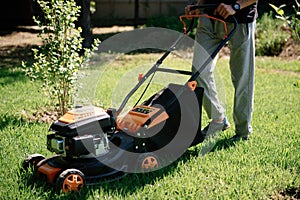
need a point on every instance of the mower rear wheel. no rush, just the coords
(148, 162)
(32, 161)
(71, 180)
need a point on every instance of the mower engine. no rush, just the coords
(82, 133)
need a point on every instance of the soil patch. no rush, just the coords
(16, 45)
(291, 194)
(44, 116)
(291, 50)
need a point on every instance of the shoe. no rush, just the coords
(215, 127)
(237, 138)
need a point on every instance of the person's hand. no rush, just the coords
(188, 10)
(224, 10)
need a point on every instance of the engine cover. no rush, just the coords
(83, 121)
(82, 132)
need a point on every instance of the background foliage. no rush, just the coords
(271, 36)
(61, 56)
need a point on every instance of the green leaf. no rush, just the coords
(278, 10)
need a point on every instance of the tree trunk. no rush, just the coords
(136, 13)
(85, 23)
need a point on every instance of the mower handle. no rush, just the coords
(159, 62)
(199, 6)
(202, 6)
(195, 7)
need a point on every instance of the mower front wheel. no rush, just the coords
(71, 180)
(32, 161)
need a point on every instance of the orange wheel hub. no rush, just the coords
(150, 162)
(72, 183)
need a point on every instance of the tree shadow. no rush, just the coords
(8, 76)
(9, 30)
(15, 121)
(12, 56)
(6, 120)
(13, 53)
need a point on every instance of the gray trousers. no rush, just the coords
(242, 62)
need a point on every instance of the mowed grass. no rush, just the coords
(256, 169)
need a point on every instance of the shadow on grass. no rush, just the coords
(123, 187)
(12, 56)
(29, 181)
(224, 144)
(6, 120)
(10, 76)
(9, 30)
(133, 182)
(129, 184)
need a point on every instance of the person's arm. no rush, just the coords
(226, 10)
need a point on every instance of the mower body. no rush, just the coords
(97, 145)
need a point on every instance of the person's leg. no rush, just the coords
(209, 35)
(242, 64)
(206, 43)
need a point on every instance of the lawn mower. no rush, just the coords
(93, 144)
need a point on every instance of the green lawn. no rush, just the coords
(256, 169)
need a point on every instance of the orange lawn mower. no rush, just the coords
(93, 145)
